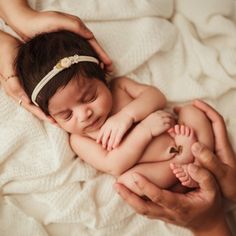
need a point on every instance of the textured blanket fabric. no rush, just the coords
(187, 48)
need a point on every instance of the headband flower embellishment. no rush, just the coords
(64, 63)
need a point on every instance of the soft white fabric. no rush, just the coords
(187, 48)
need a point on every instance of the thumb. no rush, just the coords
(204, 178)
(208, 160)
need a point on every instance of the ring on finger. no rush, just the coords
(20, 101)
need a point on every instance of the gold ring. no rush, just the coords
(20, 101)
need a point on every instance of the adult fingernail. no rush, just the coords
(196, 148)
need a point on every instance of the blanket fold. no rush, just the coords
(187, 48)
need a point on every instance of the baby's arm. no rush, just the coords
(118, 160)
(128, 152)
(145, 100)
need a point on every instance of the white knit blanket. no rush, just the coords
(187, 48)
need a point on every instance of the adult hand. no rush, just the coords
(198, 210)
(222, 164)
(38, 22)
(9, 80)
(27, 22)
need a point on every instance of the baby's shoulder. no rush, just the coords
(119, 82)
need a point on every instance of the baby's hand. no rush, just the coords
(158, 122)
(113, 130)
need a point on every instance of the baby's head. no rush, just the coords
(76, 79)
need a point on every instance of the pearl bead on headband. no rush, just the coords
(61, 65)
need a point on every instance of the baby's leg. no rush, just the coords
(197, 123)
(197, 120)
(158, 173)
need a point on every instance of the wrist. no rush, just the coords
(17, 14)
(216, 227)
(127, 113)
(145, 130)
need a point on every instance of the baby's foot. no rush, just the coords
(181, 172)
(184, 138)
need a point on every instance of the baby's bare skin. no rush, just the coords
(164, 168)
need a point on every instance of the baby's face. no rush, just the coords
(81, 107)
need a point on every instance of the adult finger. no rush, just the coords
(206, 181)
(216, 119)
(102, 54)
(208, 160)
(75, 24)
(137, 203)
(15, 90)
(163, 198)
(80, 28)
(223, 147)
(65, 21)
(211, 113)
(37, 111)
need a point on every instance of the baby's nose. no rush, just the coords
(85, 115)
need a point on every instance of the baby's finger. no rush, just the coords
(100, 136)
(111, 140)
(118, 139)
(105, 138)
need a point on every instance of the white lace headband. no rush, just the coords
(61, 65)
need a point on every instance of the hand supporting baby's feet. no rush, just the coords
(181, 172)
(158, 122)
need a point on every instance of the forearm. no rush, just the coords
(8, 46)
(15, 13)
(118, 160)
(149, 101)
(129, 151)
(217, 228)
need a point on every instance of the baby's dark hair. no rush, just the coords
(39, 55)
